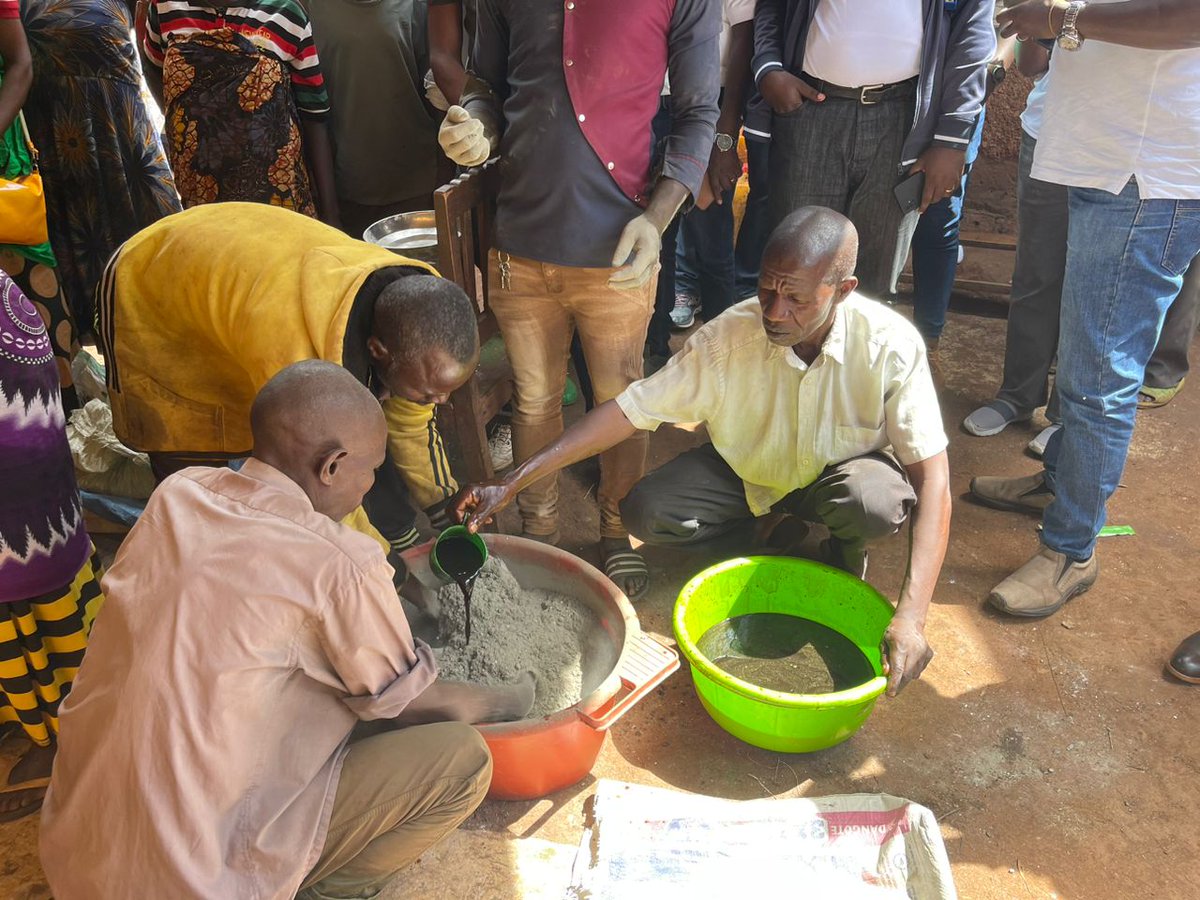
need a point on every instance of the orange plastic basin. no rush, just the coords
(621, 665)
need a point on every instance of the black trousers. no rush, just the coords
(697, 497)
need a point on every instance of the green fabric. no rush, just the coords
(15, 162)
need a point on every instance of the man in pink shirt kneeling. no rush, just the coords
(254, 717)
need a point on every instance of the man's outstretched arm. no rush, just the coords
(908, 653)
(604, 427)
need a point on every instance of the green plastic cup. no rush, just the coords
(777, 720)
(456, 531)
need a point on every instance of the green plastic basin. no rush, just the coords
(776, 720)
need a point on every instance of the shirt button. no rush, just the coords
(570, 62)
(582, 117)
(611, 166)
(570, 5)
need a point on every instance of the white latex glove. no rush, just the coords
(463, 138)
(434, 94)
(641, 239)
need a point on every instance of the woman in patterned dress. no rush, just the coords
(34, 269)
(104, 168)
(245, 103)
(49, 571)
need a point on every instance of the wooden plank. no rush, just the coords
(988, 240)
(969, 284)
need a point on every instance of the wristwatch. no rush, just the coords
(724, 142)
(1069, 37)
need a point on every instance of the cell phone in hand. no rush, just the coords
(908, 192)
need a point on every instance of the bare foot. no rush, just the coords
(35, 764)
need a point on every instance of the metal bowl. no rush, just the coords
(411, 234)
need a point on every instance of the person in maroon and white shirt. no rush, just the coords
(569, 91)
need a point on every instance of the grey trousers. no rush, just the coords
(846, 156)
(697, 497)
(1037, 292)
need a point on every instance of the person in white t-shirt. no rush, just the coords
(819, 406)
(1033, 307)
(1121, 130)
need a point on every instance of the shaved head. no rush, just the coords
(807, 271)
(318, 425)
(816, 237)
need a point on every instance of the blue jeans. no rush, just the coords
(658, 333)
(704, 257)
(1126, 259)
(935, 252)
(752, 236)
(707, 264)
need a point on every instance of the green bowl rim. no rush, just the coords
(455, 531)
(852, 696)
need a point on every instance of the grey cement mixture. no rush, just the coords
(513, 631)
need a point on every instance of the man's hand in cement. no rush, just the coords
(643, 239)
(906, 653)
(464, 138)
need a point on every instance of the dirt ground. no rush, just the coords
(1058, 758)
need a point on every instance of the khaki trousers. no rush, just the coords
(539, 306)
(400, 792)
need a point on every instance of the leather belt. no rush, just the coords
(868, 94)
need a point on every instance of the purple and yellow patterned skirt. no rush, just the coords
(42, 641)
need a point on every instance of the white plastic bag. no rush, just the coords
(103, 465)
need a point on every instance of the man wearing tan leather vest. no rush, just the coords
(583, 203)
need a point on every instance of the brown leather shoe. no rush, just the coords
(1044, 584)
(1185, 662)
(1027, 493)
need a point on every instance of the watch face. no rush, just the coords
(1069, 41)
(724, 142)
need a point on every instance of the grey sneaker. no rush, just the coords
(1044, 584)
(993, 418)
(684, 313)
(500, 447)
(1026, 494)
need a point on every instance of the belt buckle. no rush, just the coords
(862, 94)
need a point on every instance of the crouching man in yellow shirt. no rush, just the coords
(819, 405)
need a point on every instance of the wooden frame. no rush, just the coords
(464, 210)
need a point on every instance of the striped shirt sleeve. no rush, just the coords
(153, 42)
(291, 33)
(280, 27)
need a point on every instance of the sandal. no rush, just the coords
(1154, 398)
(623, 564)
(35, 786)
